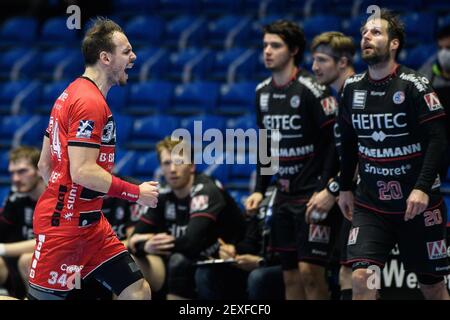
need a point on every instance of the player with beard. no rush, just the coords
(293, 103)
(16, 215)
(392, 125)
(73, 238)
(332, 64)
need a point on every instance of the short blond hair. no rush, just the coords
(31, 154)
(339, 43)
(169, 143)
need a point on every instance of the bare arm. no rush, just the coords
(16, 249)
(44, 160)
(85, 171)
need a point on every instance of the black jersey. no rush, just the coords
(121, 214)
(196, 221)
(16, 218)
(387, 119)
(304, 112)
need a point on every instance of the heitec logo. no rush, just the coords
(437, 250)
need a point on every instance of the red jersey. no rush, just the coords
(79, 117)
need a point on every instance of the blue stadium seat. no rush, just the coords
(5, 179)
(145, 30)
(190, 64)
(244, 122)
(242, 68)
(151, 63)
(124, 162)
(229, 30)
(416, 30)
(9, 125)
(145, 166)
(19, 96)
(135, 6)
(220, 7)
(117, 98)
(321, 23)
(240, 173)
(124, 126)
(195, 97)
(223, 60)
(18, 30)
(416, 57)
(218, 171)
(206, 122)
(50, 92)
(55, 31)
(61, 63)
(149, 97)
(237, 98)
(32, 132)
(176, 6)
(18, 63)
(352, 26)
(444, 21)
(147, 131)
(4, 191)
(185, 31)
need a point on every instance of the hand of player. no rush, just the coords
(416, 204)
(148, 194)
(226, 251)
(247, 262)
(252, 202)
(135, 238)
(320, 202)
(346, 203)
(160, 243)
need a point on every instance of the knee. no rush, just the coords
(311, 274)
(140, 290)
(360, 278)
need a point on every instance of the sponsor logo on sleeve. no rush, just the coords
(85, 129)
(199, 203)
(329, 105)
(432, 101)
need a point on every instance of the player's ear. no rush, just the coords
(395, 43)
(105, 57)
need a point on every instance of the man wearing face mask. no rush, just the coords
(437, 70)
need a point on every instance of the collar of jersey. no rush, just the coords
(293, 78)
(386, 79)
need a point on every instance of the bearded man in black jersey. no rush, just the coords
(16, 216)
(392, 126)
(303, 113)
(193, 212)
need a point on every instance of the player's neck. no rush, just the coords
(186, 190)
(99, 78)
(339, 83)
(284, 76)
(382, 70)
(36, 192)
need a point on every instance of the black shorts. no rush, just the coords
(297, 240)
(421, 241)
(343, 239)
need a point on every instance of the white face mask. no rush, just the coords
(444, 59)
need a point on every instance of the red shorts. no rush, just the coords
(59, 262)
